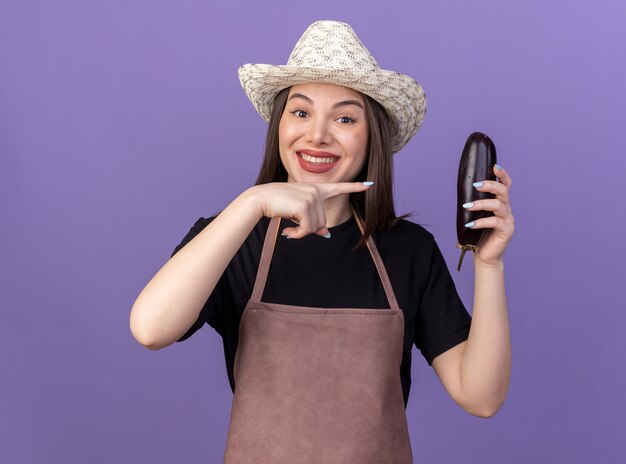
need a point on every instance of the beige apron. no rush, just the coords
(318, 385)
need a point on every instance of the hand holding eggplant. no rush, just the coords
(491, 207)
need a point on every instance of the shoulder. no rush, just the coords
(254, 239)
(194, 230)
(407, 244)
(408, 234)
(202, 222)
(410, 227)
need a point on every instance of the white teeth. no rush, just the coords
(316, 160)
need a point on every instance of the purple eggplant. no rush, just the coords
(477, 161)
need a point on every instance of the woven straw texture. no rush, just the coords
(331, 52)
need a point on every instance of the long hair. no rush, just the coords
(375, 205)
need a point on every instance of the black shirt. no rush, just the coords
(320, 272)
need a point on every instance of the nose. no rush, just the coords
(319, 132)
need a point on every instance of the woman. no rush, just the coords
(318, 322)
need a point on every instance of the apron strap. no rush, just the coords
(378, 262)
(268, 249)
(266, 257)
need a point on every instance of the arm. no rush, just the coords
(172, 300)
(476, 373)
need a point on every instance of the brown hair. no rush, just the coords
(375, 205)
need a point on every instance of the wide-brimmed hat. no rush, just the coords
(331, 52)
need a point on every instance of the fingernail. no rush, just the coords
(368, 183)
(468, 205)
(283, 234)
(327, 235)
(477, 184)
(498, 167)
(470, 224)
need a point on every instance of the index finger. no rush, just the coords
(503, 176)
(333, 189)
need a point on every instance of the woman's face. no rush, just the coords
(323, 133)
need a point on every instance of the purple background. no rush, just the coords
(122, 122)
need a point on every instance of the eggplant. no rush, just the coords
(477, 162)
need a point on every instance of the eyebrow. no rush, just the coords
(335, 106)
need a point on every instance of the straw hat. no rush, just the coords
(331, 52)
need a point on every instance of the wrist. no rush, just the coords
(250, 200)
(496, 265)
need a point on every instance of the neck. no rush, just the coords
(337, 210)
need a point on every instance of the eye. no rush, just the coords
(345, 120)
(299, 113)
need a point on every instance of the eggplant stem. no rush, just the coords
(464, 249)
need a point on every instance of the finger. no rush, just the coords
(491, 222)
(495, 205)
(333, 189)
(321, 214)
(313, 222)
(497, 188)
(504, 177)
(304, 226)
(323, 232)
(297, 232)
(308, 214)
(321, 220)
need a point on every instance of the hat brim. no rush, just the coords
(401, 96)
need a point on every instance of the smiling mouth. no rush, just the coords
(317, 159)
(317, 164)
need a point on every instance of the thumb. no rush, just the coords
(323, 231)
(298, 232)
